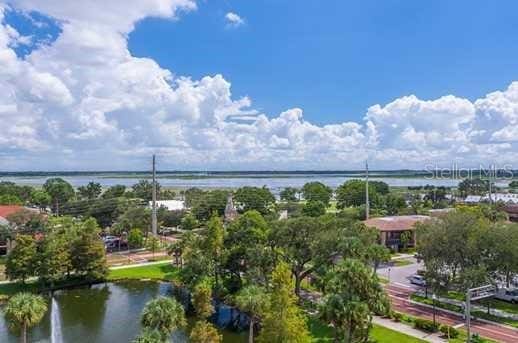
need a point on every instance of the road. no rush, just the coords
(399, 275)
(400, 302)
(399, 290)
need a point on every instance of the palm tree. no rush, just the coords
(163, 315)
(23, 311)
(252, 300)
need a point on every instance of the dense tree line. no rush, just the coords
(67, 247)
(262, 263)
(468, 248)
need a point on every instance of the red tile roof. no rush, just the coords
(395, 223)
(6, 210)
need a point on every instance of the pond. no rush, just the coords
(103, 313)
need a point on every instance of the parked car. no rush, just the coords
(507, 294)
(417, 280)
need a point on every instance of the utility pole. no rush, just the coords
(153, 205)
(490, 190)
(367, 210)
(468, 315)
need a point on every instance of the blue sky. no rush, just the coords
(271, 84)
(337, 59)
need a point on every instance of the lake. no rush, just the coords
(103, 313)
(274, 181)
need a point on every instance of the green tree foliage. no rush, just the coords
(164, 315)
(197, 265)
(14, 191)
(23, 311)
(380, 187)
(213, 245)
(115, 191)
(202, 299)
(170, 218)
(353, 293)
(135, 238)
(27, 221)
(283, 321)
(352, 193)
(504, 239)
(317, 191)
(166, 194)
(144, 189)
(60, 192)
(9, 199)
(207, 203)
(252, 300)
(314, 208)
(204, 332)
(249, 249)
(153, 244)
(192, 195)
(149, 336)
(258, 199)
(22, 259)
(41, 199)
(54, 258)
(289, 194)
(91, 191)
(473, 187)
(105, 211)
(456, 250)
(88, 255)
(406, 238)
(513, 184)
(392, 204)
(376, 254)
(189, 222)
(133, 217)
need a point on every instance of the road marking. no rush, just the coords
(403, 285)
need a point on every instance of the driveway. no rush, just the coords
(399, 275)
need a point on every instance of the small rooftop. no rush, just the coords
(396, 223)
(6, 210)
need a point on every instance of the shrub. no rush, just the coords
(396, 316)
(425, 325)
(449, 331)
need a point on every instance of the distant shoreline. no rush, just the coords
(194, 175)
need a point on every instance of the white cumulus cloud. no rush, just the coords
(85, 102)
(233, 19)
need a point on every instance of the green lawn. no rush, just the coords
(323, 333)
(162, 271)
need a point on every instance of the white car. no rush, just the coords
(507, 294)
(417, 280)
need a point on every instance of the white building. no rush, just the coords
(171, 205)
(507, 198)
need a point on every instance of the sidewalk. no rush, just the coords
(408, 330)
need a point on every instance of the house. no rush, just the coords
(391, 228)
(6, 211)
(171, 205)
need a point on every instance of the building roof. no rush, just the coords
(396, 223)
(6, 210)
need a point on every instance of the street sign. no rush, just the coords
(482, 292)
